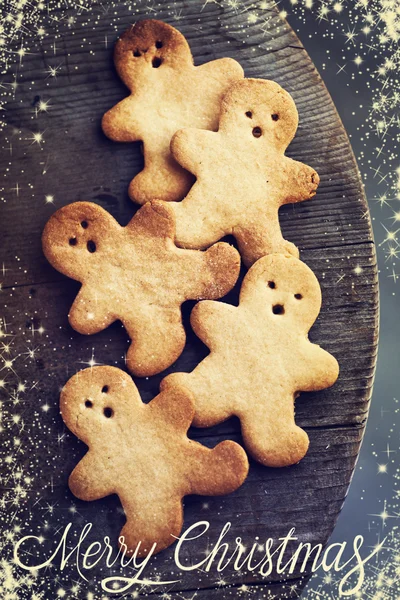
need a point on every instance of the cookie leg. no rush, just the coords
(154, 524)
(219, 471)
(273, 441)
(156, 344)
(260, 239)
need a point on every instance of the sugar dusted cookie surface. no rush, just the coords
(142, 453)
(168, 92)
(135, 274)
(261, 358)
(243, 175)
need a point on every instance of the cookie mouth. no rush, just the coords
(315, 180)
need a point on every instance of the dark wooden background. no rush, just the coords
(333, 231)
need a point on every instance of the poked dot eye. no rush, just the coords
(298, 296)
(91, 246)
(275, 117)
(278, 309)
(108, 412)
(105, 389)
(136, 53)
(257, 132)
(159, 44)
(272, 285)
(84, 224)
(88, 403)
(249, 114)
(73, 241)
(156, 62)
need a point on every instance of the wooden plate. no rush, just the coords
(76, 162)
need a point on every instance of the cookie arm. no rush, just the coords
(213, 273)
(300, 182)
(210, 320)
(205, 383)
(90, 312)
(316, 368)
(175, 404)
(223, 69)
(156, 219)
(190, 148)
(88, 481)
(121, 123)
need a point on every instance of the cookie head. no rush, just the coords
(74, 237)
(261, 112)
(146, 49)
(287, 287)
(98, 401)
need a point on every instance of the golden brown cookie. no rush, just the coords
(135, 274)
(167, 93)
(142, 453)
(243, 175)
(261, 358)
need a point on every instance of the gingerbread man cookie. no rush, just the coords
(167, 93)
(243, 175)
(261, 358)
(135, 274)
(141, 452)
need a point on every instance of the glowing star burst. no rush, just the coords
(37, 138)
(53, 71)
(43, 105)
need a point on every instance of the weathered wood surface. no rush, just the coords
(332, 231)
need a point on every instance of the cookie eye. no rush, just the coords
(257, 132)
(91, 246)
(159, 44)
(298, 296)
(272, 285)
(108, 412)
(275, 117)
(278, 309)
(88, 403)
(249, 114)
(156, 62)
(105, 389)
(73, 241)
(136, 53)
(84, 224)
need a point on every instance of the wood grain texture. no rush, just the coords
(333, 232)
